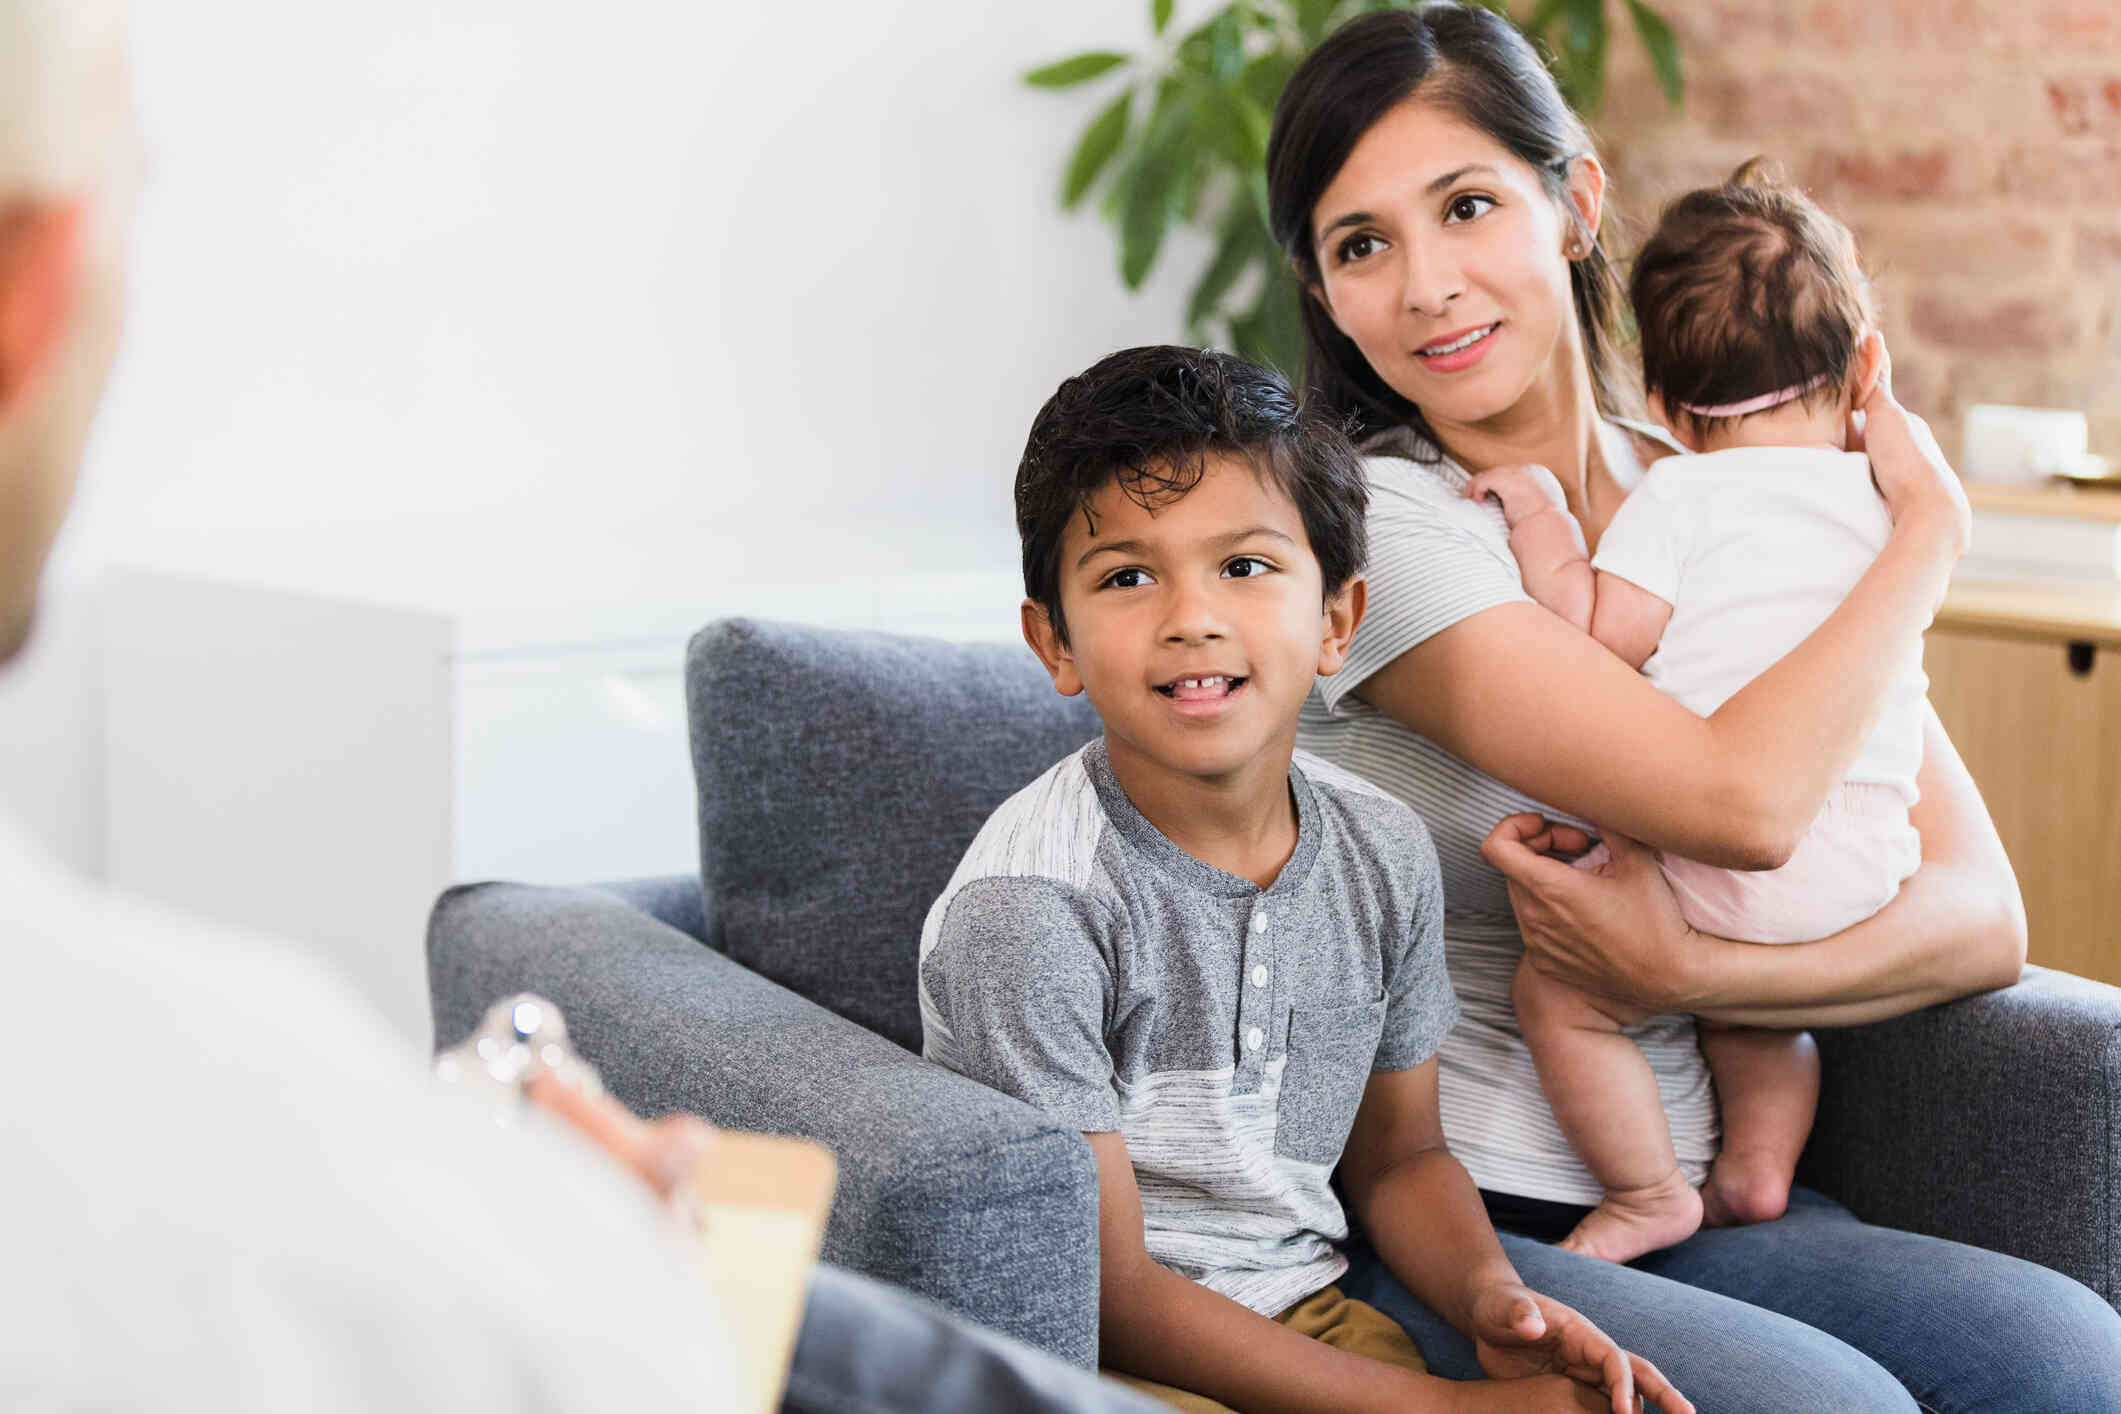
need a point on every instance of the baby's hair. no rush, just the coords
(1746, 289)
(1147, 418)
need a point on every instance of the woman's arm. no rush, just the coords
(1957, 926)
(1531, 701)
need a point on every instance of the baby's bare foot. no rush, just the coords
(1632, 1221)
(1746, 1186)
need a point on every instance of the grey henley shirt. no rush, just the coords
(1082, 962)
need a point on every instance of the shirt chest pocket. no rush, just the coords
(1330, 1051)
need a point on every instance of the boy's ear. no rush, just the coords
(1868, 365)
(1060, 663)
(1343, 616)
(40, 267)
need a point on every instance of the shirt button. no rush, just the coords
(1259, 975)
(1253, 1038)
(1259, 922)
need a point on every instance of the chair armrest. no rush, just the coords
(681, 900)
(1994, 1120)
(948, 1188)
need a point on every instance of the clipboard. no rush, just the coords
(762, 1201)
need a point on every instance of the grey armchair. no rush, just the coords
(840, 777)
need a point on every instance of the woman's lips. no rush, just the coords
(1458, 351)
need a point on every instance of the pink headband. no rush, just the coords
(1759, 404)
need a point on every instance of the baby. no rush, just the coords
(1757, 342)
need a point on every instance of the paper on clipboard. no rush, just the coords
(763, 1200)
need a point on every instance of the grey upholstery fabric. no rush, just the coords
(1995, 1120)
(946, 1187)
(841, 776)
(676, 899)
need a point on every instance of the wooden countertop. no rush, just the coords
(2054, 610)
(2051, 498)
(2022, 609)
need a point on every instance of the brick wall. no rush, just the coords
(1973, 146)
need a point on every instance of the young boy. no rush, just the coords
(1224, 964)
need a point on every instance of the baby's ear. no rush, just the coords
(1663, 418)
(1868, 364)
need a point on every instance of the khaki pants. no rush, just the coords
(1327, 1316)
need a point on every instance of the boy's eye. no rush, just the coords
(1466, 206)
(1247, 567)
(1125, 579)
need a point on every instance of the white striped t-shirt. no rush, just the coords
(1437, 558)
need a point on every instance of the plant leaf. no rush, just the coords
(1240, 248)
(1099, 141)
(1580, 53)
(1075, 69)
(1311, 18)
(1657, 37)
(1155, 191)
(1160, 14)
(1226, 38)
(1266, 76)
(1226, 121)
(1282, 323)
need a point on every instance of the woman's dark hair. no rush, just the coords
(1474, 64)
(1148, 418)
(1745, 289)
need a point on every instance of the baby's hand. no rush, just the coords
(1521, 491)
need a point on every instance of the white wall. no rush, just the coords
(510, 296)
(603, 268)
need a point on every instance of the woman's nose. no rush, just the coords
(1432, 281)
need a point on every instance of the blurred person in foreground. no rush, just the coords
(228, 1183)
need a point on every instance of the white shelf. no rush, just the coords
(321, 764)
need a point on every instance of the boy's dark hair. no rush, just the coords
(1148, 418)
(1745, 289)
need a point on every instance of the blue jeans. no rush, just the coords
(868, 1348)
(1817, 1311)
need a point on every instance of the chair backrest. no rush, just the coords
(841, 776)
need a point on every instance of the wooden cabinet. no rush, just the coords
(2028, 682)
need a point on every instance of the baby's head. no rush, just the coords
(1756, 320)
(1192, 545)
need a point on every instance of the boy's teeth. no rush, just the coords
(1201, 688)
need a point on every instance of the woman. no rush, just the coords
(1441, 205)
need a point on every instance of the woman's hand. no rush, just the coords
(1614, 930)
(1517, 1334)
(1918, 484)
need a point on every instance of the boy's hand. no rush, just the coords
(1521, 491)
(1519, 1333)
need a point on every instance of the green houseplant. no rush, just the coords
(1183, 140)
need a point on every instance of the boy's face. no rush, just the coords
(1195, 628)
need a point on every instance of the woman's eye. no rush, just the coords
(1466, 206)
(1357, 248)
(1246, 567)
(1125, 579)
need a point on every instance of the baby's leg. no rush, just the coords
(1767, 1085)
(1605, 1099)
